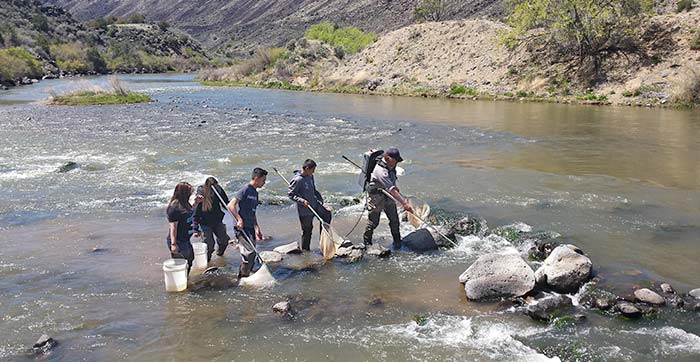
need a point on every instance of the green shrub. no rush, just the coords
(684, 5)
(457, 89)
(587, 31)
(40, 22)
(163, 25)
(695, 41)
(522, 94)
(16, 63)
(429, 10)
(71, 57)
(460, 89)
(350, 38)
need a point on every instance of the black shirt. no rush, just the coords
(214, 216)
(183, 217)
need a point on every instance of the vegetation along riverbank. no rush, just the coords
(629, 53)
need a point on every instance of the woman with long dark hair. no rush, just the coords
(210, 216)
(181, 227)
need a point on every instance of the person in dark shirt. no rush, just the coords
(180, 219)
(209, 216)
(302, 190)
(243, 207)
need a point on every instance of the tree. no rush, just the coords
(429, 10)
(588, 31)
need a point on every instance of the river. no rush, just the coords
(621, 183)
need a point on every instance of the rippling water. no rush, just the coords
(622, 183)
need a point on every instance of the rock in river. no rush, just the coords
(565, 269)
(496, 276)
(629, 310)
(44, 344)
(291, 248)
(271, 256)
(421, 240)
(648, 296)
(548, 307)
(695, 293)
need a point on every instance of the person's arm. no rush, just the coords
(173, 237)
(232, 207)
(258, 233)
(402, 200)
(294, 192)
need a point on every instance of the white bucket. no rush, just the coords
(200, 256)
(175, 273)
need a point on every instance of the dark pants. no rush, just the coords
(307, 226)
(248, 255)
(222, 239)
(184, 251)
(375, 205)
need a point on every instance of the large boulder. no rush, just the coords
(565, 270)
(421, 240)
(498, 276)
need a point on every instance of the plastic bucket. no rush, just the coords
(175, 274)
(200, 256)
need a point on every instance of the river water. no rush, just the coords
(621, 183)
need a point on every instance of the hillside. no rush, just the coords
(467, 59)
(38, 40)
(240, 26)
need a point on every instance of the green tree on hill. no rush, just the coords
(588, 31)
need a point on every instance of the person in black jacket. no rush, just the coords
(302, 190)
(210, 217)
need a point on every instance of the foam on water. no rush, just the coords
(491, 339)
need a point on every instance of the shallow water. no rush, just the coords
(622, 183)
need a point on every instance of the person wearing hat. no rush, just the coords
(384, 178)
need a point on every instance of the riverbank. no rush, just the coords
(467, 59)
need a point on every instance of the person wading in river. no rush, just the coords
(180, 219)
(384, 178)
(302, 190)
(209, 216)
(243, 206)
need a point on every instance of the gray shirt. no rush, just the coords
(383, 177)
(247, 204)
(302, 188)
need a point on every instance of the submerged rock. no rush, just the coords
(343, 252)
(379, 251)
(468, 225)
(213, 280)
(355, 256)
(44, 344)
(291, 248)
(695, 293)
(565, 270)
(68, 166)
(648, 296)
(667, 288)
(629, 310)
(498, 276)
(271, 257)
(541, 249)
(421, 240)
(604, 302)
(283, 308)
(547, 308)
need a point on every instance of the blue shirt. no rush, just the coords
(247, 204)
